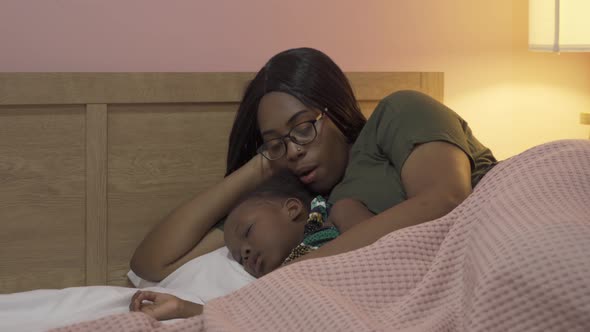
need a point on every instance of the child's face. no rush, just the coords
(260, 234)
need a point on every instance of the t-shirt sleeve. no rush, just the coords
(407, 118)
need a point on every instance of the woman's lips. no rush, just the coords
(309, 177)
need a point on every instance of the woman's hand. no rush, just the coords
(263, 167)
(187, 232)
(163, 306)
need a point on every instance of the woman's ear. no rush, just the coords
(293, 208)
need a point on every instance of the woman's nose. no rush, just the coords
(294, 151)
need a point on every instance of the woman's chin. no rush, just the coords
(320, 187)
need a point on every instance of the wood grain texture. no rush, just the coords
(89, 162)
(42, 197)
(96, 194)
(433, 85)
(374, 86)
(112, 88)
(159, 156)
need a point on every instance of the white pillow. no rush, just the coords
(209, 276)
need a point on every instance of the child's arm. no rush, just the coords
(163, 306)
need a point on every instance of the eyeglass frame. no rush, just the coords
(282, 138)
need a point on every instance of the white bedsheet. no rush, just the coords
(43, 309)
(199, 281)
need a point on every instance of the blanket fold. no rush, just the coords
(511, 257)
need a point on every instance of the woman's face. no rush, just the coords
(320, 165)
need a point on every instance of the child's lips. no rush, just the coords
(258, 265)
(255, 264)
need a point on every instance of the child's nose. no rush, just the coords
(245, 252)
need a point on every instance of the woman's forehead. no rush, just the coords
(276, 109)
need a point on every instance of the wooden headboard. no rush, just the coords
(89, 162)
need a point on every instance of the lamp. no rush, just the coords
(559, 25)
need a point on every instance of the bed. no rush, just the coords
(89, 162)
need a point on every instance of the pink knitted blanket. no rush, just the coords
(513, 257)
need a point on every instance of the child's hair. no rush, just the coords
(281, 185)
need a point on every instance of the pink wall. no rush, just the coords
(512, 97)
(234, 35)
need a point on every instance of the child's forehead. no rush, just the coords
(248, 207)
(257, 203)
(252, 209)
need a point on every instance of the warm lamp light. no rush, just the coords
(559, 25)
(585, 119)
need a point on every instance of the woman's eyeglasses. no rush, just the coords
(301, 134)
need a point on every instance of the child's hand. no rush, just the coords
(163, 306)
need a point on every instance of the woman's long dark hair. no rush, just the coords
(306, 74)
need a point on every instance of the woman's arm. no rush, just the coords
(348, 212)
(186, 233)
(436, 177)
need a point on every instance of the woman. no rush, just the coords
(413, 161)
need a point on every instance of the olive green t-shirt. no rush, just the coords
(400, 122)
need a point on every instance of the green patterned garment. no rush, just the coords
(315, 234)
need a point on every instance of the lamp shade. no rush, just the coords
(559, 25)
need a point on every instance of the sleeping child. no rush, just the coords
(269, 227)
